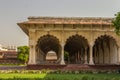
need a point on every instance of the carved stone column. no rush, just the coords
(119, 55)
(85, 62)
(32, 55)
(91, 54)
(62, 54)
(32, 43)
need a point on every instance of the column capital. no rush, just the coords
(32, 30)
(86, 48)
(32, 42)
(62, 44)
(91, 43)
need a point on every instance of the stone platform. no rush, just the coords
(74, 67)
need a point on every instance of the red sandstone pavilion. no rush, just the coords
(89, 42)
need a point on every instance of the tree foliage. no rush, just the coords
(116, 23)
(23, 53)
(66, 54)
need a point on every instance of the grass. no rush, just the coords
(53, 76)
(19, 75)
(80, 76)
(12, 65)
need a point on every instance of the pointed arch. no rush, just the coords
(105, 50)
(77, 46)
(45, 44)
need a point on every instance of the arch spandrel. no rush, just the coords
(83, 34)
(39, 34)
(76, 35)
(108, 35)
(57, 34)
(43, 33)
(68, 34)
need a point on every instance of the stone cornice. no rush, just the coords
(70, 20)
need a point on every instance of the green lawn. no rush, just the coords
(101, 76)
(19, 75)
(12, 65)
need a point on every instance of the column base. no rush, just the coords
(30, 63)
(85, 62)
(62, 62)
(118, 63)
(91, 63)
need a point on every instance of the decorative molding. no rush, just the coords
(31, 42)
(32, 30)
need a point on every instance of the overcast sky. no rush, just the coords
(14, 11)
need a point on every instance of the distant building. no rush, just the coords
(2, 48)
(51, 57)
(8, 55)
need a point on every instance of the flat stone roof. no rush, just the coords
(68, 20)
(65, 20)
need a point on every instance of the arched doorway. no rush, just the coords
(45, 45)
(77, 49)
(105, 50)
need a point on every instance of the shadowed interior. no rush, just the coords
(105, 50)
(76, 46)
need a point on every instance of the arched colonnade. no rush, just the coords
(77, 50)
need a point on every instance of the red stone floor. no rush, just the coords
(63, 67)
(74, 67)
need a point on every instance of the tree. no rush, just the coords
(23, 53)
(116, 23)
(66, 55)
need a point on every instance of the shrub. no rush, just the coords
(44, 71)
(85, 78)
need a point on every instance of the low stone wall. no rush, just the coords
(74, 67)
(40, 67)
(10, 62)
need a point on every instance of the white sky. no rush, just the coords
(14, 11)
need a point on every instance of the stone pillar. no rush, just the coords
(32, 55)
(85, 62)
(95, 55)
(119, 55)
(91, 54)
(32, 43)
(78, 57)
(62, 54)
